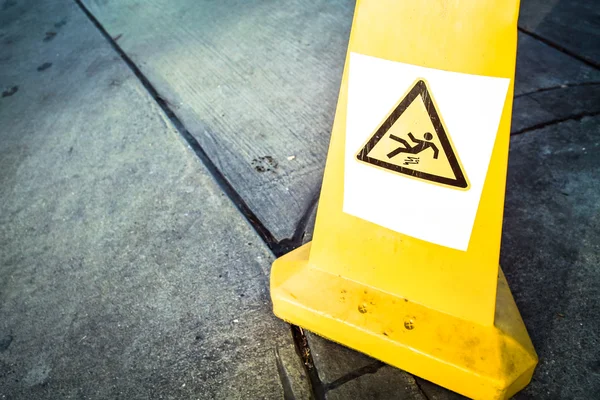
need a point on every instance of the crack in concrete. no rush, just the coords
(287, 245)
(278, 248)
(416, 380)
(576, 117)
(367, 369)
(305, 354)
(286, 383)
(217, 175)
(560, 48)
(564, 86)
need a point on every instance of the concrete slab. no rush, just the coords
(124, 270)
(572, 25)
(551, 86)
(542, 67)
(386, 383)
(334, 361)
(553, 105)
(551, 252)
(348, 374)
(435, 392)
(255, 82)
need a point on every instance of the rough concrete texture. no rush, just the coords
(124, 270)
(386, 383)
(570, 24)
(294, 380)
(254, 81)
(334, 361)
(540, 67)
(551, 86)
(435, 392)
(551, 253)
(348, 374)
(539, 108)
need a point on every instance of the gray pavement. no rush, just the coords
(125, 271)
(254, 82)
(145, 185)
(551, 253)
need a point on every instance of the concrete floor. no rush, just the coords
(147, 184)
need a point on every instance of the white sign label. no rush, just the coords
(422, 184)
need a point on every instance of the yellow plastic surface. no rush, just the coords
(481, 362)
(443, 314)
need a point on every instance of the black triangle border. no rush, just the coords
(420, 88)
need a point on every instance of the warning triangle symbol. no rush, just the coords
(413, 141)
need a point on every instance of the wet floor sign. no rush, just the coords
(419, 138)
(404, 260)
(429, 156)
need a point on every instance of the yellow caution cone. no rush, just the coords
(404, 261)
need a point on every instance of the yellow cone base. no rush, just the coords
(481, 362)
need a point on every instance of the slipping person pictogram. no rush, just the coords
(413, 141)
(417, 148)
